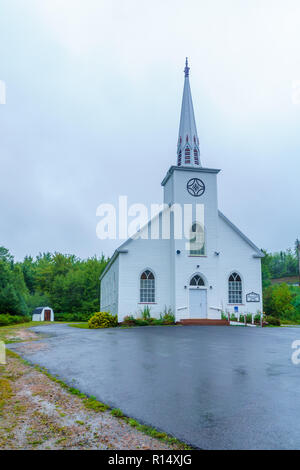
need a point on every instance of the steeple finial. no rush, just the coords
(188, 151)
(187, 68)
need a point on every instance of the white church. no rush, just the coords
(218, 270)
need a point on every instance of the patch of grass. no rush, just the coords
(290, 322)
(35, 443)
(80, 422)
(150, 431)
(117, 412)
(132, 422)
(92, 404)
(5, 392)
(77, 392)
(83, 325)
(11, 330)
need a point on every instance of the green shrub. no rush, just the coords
(145, 313)
(157, 321)
(141, 322)
(168, 317)
(277, 301)
(273, 320)
(72, 316)
(6, 319)
(257, 318)
(129, 320)
(103, 320)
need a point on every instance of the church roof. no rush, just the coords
(259, 253)
(188, 150)
(121, 249)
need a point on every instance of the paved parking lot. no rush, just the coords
(213, 387)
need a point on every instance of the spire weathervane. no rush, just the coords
(187, 68)
(188, 150)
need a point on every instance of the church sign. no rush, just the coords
(252, 297)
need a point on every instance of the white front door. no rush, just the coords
(197, 303)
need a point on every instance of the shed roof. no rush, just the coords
(37, 310)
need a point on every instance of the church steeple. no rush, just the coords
(188, 151)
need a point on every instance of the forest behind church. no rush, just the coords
(64, 282)
(71, 287)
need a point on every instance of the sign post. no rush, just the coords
(2, 353)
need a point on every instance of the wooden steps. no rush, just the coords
(204, 321)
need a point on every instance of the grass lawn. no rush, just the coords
(17, 333)
(84, 325)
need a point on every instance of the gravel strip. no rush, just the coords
(37, 413)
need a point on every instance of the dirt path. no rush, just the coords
(37, 413)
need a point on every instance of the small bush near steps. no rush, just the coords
(103, 320)
(166, 318)
(272, 320)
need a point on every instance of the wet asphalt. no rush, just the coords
(213, 387)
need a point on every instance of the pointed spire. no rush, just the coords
(188, 151)
(187, 68)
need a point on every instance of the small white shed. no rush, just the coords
(43, 314)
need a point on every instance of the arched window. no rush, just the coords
(197, 240)
(197, 281)
(187, 155)
(179, 158)
(235, 293)
(196, 157)
(147, 286)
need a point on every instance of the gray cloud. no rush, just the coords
(93, 102)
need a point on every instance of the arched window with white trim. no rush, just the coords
(197, 240)
(235, 290)
(147, 287)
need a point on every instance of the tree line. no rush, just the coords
(280, 264)
(70, 285)
(65, 282)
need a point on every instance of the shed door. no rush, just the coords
(47, 315)
(197, 303)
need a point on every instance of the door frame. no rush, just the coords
(196, 288)
(48, 313)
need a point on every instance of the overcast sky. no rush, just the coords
(92, 109)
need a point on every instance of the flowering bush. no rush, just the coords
(103, 320)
